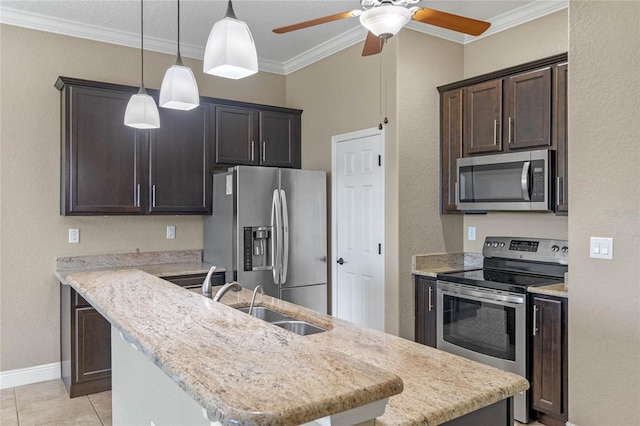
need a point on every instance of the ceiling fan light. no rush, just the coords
(385, 21)
(230, 51)
(142, 112)
(179, 89)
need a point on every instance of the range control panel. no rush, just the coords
(532, 249)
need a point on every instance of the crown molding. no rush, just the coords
(39, 22)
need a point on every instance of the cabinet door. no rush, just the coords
(560, 134)
(528, 110)
(234, 136)
(450, 148)
(426, 311)
(548, 382)
(482, 118)
(93, 346)
(279, 139)
(102, 173)
(179, 176)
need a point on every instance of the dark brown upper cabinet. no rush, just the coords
(450, 146)
(560, 136)
(515, 109)
(248, 134)
(101, 157)
(482, 114)
(528, 110)
(179, 179)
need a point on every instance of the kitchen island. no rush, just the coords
(239, 368)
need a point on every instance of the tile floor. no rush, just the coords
(47, 403)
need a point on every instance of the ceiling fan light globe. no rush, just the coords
(230, 51)
(142, 112)
(385, 21)
(179, 89)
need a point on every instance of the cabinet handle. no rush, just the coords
(264, 151)
(138, 196)
(430, 298)
(252, 154)
(511, 124)
(535, 316)
(558, 186)
(153, 195)
(495, 131)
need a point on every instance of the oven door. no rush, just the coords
(485, 325)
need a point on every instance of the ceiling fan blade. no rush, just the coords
(372, 45)
(311, 23)
(451, 21)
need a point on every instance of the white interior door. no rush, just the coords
(358, 227)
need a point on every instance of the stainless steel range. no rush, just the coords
(483, 314)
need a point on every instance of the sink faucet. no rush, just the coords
(206, 284)
(253, 298)
(225, 288)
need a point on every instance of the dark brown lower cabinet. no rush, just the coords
(549, 379)
(85, 345)
(85, 338)
(426, 310)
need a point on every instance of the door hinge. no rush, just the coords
(379, 248)
(379, 160)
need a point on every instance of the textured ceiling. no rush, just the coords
(118, 21)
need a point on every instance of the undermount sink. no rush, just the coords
(302, 328)
(281, 320)
(266, 314)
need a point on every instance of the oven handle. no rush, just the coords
(479, 295)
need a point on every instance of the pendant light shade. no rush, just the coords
(230, 50)
(179, 89)
(142, 112)
(385, 21)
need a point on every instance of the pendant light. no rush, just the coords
(230, 50)
(179, 89)
(142, 112)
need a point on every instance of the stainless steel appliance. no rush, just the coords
(511, 181)
(269, 227)
(483, 314)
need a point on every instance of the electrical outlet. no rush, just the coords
(74, 236)
(471, 231)
(171, 232)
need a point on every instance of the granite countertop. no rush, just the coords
(237, 367)
(208, 349)
(558, 290)
(430, 265)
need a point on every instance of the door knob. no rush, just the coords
(341, 261)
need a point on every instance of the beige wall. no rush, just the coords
(33, 232)
(536, 39)
(342, 94)
(604, 137)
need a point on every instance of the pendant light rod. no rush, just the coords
(142, 45)
(230, 13)
(179, 57)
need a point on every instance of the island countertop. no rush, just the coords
(219, 356)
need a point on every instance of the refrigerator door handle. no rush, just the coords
(285, 237)
(276, 236)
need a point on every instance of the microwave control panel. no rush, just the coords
(539, 180)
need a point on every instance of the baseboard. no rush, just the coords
(26, 376)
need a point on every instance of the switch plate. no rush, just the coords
(601, 248)
(471, 233)
(171, 232)
(74, 236)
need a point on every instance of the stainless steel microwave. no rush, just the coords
(517, 181)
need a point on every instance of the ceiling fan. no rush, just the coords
(384, 18)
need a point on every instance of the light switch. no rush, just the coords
(601, 248)
(471, 233)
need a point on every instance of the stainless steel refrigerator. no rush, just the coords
(269, 227)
